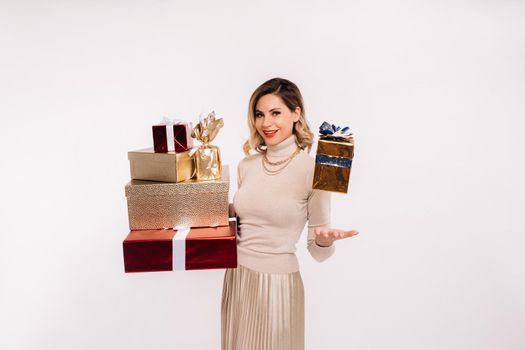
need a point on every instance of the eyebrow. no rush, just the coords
(271, 110)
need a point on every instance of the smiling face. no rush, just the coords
(274, 121)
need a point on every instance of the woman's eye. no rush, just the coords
(258, 115)
(276, 113)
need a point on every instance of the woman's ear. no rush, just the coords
(297, 114)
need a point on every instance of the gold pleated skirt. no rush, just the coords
(262, 311)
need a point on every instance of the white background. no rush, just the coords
(433, 90)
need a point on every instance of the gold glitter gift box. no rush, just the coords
(145, 164)
(192, 203)
(333, 163)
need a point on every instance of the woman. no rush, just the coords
(263, 299)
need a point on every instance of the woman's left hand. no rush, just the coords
(325, 236)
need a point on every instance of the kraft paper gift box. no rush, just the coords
(182, 249)
(172, 136)
(145, 164)
(192, 203)
(333, 162)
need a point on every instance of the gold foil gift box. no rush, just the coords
(207, 157)
(333, 160)
(145, 164)
(192, 203)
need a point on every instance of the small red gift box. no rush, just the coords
(183, 249)
(169, 136)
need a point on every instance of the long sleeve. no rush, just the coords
(239, 174)
(232, 211)
(318, 208)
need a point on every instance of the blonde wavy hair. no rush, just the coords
(292, 98)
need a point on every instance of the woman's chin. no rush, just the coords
(272, 141)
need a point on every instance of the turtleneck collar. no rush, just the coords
(283, 149)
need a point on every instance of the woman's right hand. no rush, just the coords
(231, 211)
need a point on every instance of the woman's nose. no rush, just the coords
(267, 121)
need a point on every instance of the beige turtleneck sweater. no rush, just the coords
(273, 210)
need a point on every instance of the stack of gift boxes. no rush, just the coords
(178, 202)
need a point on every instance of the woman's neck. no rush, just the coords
(283, 148)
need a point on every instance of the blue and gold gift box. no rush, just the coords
(333, 160)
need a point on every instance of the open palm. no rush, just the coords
(325, 236)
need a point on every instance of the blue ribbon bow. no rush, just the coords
(331, 131)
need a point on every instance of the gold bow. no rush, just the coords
(207, 128)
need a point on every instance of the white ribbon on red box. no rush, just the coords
(179, 248)
(170, 137)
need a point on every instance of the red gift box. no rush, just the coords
(172, 137)
(183, 249)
